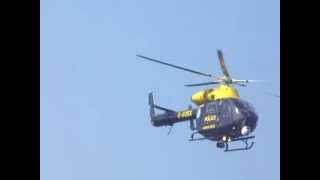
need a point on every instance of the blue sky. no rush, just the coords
(94, 109)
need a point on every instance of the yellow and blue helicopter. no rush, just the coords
(220, 114)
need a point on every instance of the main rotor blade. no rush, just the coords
(178, 67)
(246, 81)
(202, 84)
(223, 65)
(273, 94)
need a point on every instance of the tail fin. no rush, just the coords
(151, 104)
(169, 117)
(159, 118)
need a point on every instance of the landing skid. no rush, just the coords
(244, 140)
(223, 144)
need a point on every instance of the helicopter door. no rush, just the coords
(208, 118)
(198, 118)
(198, 115)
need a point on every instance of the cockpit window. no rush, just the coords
(244, 105)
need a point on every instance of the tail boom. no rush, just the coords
(169, 117)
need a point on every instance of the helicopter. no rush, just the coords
(220, 114)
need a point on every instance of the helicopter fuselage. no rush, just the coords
(220, 113)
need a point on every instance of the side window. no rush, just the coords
(211, 107)
(199, 112)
